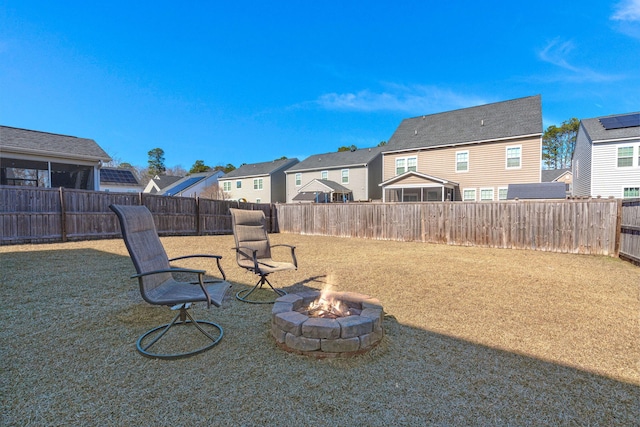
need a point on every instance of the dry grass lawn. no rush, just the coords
(474, 336)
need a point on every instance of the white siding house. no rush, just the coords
(606, 160)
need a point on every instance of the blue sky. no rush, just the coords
(250, 81)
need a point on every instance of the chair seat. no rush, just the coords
(267, 265)
(173, 292)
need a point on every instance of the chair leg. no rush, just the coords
(184, 319)
(244, 294)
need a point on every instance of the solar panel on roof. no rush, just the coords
(185, 184)
(619, 122)
(117, 176)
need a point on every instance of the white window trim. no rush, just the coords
(462, 152)
(633, 151)
(506, 158)
(298, 179)
(239, 184)
(342, 176)
(626, 187)
(506, 189)
(475, 194)
(493, 194)
(406, 164)
(324, 175)
(224, 186)
(260, 184)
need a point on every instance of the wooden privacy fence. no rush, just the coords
(630, 231)
(573, 226)
(37, 215)
(595, 226)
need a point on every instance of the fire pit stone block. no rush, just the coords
(375, 315)
(301, 343)
(340, 345)
(369, 340)
(354, 326)
(321, 328)
(290, 321)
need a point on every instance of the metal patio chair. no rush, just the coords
(253, 252)
(159, 286)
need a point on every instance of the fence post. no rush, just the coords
(63, 216)
(198, 218)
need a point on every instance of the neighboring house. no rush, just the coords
(323, 191)
(559, 175)
(119, 180)
(159, 183)
(258, 182)
(42, 159)
(471, 154)
(337, 177)
(606, 159)
(192, 185)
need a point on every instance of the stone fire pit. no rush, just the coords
(346, 336)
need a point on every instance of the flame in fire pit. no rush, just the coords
(328, 306)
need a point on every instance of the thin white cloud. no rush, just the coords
(557, 52)
(416, 99)
(627, 18)
(628, 10)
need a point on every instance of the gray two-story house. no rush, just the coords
(336, 177)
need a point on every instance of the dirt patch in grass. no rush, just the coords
(473, 336)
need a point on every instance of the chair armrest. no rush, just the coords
(254, 255)
(293, 252)
(217, 258)
(169, 270)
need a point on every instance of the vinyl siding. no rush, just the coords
(357, 181)
(607, 179)
(581, 165)
(487, 164)
(247, 192)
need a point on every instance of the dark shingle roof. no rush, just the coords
(517, 117)
(337, 159)
(542, 190)
(597, 132)
(549, 175)
(50, 144)
(260, 169)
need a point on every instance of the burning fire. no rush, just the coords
(327, 306)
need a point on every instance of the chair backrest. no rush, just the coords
(144, 246)
(250, 231)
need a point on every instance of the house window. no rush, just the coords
(257, 183)
(324, 175)
(226, 186)
(412, 164)
(631, 192)
(625, 157)
(405, 164)
(345, 176)
(486, 194)
(513, 157)
(502, 193)
(238, 184)
(462, 161)
(469, 195)
(298, 179)
(258, 200)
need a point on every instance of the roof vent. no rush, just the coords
(416, 132)
(482, 122)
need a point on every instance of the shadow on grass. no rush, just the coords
(68, 357)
